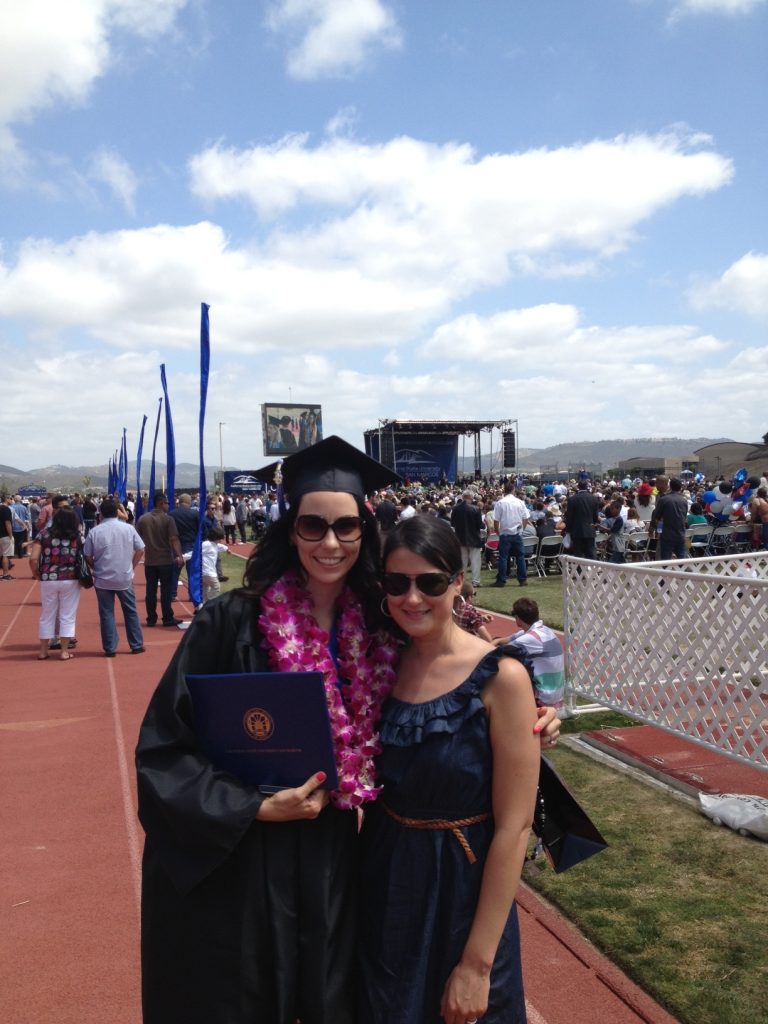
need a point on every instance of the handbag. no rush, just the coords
(83, 570)
(567, 835)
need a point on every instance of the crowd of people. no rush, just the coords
(278, 905)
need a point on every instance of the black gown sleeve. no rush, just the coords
(193, 814)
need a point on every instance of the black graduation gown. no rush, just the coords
(243, 922)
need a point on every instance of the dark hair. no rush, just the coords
(675, 484)
(754, 482)
(430, 538)
(696, 509)
(108, 509)
(274, 555)
(526, 610)
(65, 524)
(160, 498)
(226, 506)
(215, 533)
(57, 499)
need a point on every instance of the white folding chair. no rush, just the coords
(637, 546)
(550, 550)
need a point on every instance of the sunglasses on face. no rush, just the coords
(432, 584)
(314, 528)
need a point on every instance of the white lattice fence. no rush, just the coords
(680, 645)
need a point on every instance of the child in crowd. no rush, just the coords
(541, 650)
(212, 547)
(468, 617)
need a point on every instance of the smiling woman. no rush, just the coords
(443, 846)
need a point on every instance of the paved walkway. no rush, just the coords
(70, 844)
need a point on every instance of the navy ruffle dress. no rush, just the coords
(419, 891)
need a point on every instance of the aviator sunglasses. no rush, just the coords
(432, 584)
(314, 528)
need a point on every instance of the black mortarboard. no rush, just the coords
(329, 465)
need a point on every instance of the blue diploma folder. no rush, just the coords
(270, 729)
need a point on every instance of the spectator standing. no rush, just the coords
(6, 536)
(34, 515)
(89, 513)
(21, 525)
(113, 549)
(386, 514)
(162, 556)
(187, 521)
(52, 561)
(510, 515)
(241, 517)
(581, 516)
(228, 520)
(616, 527)
(670, 519)
(467, 522)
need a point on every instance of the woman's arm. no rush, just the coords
(34, 559)
(510, 705)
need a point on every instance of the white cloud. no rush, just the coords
(113, 170)
(136, 288)
(332, 38)
(443, 214)
(742, 288)
(53, 52)
(728, 7)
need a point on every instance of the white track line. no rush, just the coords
(132, 830)
(19, 610)
(534, 1017)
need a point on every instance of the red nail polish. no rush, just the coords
(321, 776)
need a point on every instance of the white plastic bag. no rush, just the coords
(747, 815)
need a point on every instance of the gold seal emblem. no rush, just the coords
(258, 723)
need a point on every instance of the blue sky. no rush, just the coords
(539, 210)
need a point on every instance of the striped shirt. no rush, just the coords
(544, 653)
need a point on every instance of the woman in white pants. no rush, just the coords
(52, 560)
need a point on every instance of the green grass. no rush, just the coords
(679, 904)
(546, 592)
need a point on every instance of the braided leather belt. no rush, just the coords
(454, 825)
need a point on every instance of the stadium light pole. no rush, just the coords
(221, 459)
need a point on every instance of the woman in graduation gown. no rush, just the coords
(248, 901)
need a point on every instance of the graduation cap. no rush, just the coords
(329, 465)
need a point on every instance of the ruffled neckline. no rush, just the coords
(404, 723)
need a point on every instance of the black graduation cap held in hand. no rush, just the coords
(330, 465)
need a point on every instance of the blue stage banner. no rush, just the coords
(419, 458)
(242, 481)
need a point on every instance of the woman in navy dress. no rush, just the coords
(445, 843)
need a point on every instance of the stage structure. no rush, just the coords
(427, 450)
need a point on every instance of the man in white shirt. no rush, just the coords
(510, 515)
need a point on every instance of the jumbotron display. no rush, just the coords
(289, 428)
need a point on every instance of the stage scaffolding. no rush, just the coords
(388, 432)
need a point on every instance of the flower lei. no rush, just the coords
(296, 643)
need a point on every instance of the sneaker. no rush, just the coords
(523, 583)
(138, 650)
(173, 622)
(151, 622)
(110, 654)
(8, 576)
(497, 584)
(223, 579)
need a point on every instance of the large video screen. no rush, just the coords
(289, 428)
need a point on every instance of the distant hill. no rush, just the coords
(610, 453)
(607, 454)
(74, 477)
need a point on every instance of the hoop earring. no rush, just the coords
(384, 610)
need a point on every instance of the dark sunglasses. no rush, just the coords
(432, 584)
(314, 528)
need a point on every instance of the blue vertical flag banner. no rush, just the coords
(138, 510)
(122, 477)
(110, 477)
(195, 564)
(151, 494)
(170, 443)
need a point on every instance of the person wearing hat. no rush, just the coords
(249, 900)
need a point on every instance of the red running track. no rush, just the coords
(70, 844)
